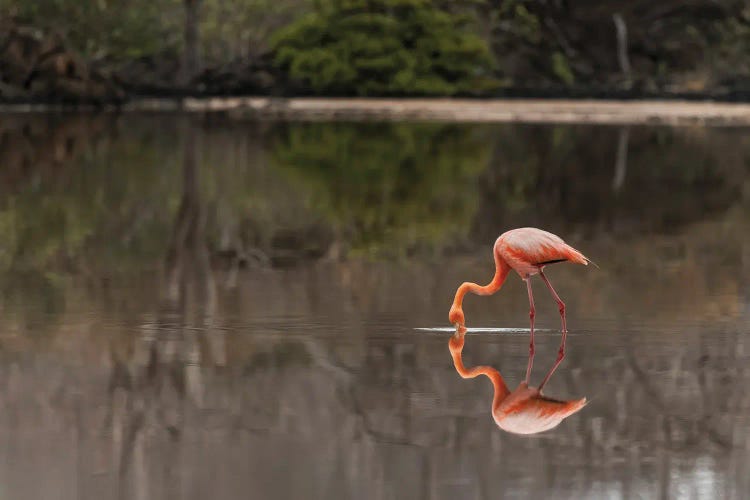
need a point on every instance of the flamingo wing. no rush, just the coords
(528, 248)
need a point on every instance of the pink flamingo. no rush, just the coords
(527, 251)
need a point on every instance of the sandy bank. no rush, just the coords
(454, 110)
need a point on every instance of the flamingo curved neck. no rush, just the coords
(501, 273)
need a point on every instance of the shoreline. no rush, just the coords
(585, 111)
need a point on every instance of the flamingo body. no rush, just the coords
(528, 249)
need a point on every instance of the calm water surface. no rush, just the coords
(207, 308)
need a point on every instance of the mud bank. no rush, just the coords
(454, 110)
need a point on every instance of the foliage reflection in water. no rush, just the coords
(188, 312)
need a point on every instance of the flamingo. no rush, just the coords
(527, 251)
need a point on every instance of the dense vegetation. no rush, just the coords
(401, 47)
(382, 47)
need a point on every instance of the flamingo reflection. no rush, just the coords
(523, 411)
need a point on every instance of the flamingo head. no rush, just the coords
(456, 316)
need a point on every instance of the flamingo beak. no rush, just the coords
(459, 330)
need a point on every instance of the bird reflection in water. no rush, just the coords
(525, 410)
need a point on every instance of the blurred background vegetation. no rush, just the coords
(378, 47)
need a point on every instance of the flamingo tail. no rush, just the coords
(574, 255)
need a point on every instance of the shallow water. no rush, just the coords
(204, 308)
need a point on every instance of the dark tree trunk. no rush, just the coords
(623, 60)
(191, 56)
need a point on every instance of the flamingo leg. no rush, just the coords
(532, 313)
(561, 352)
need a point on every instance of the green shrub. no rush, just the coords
(383, 47)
